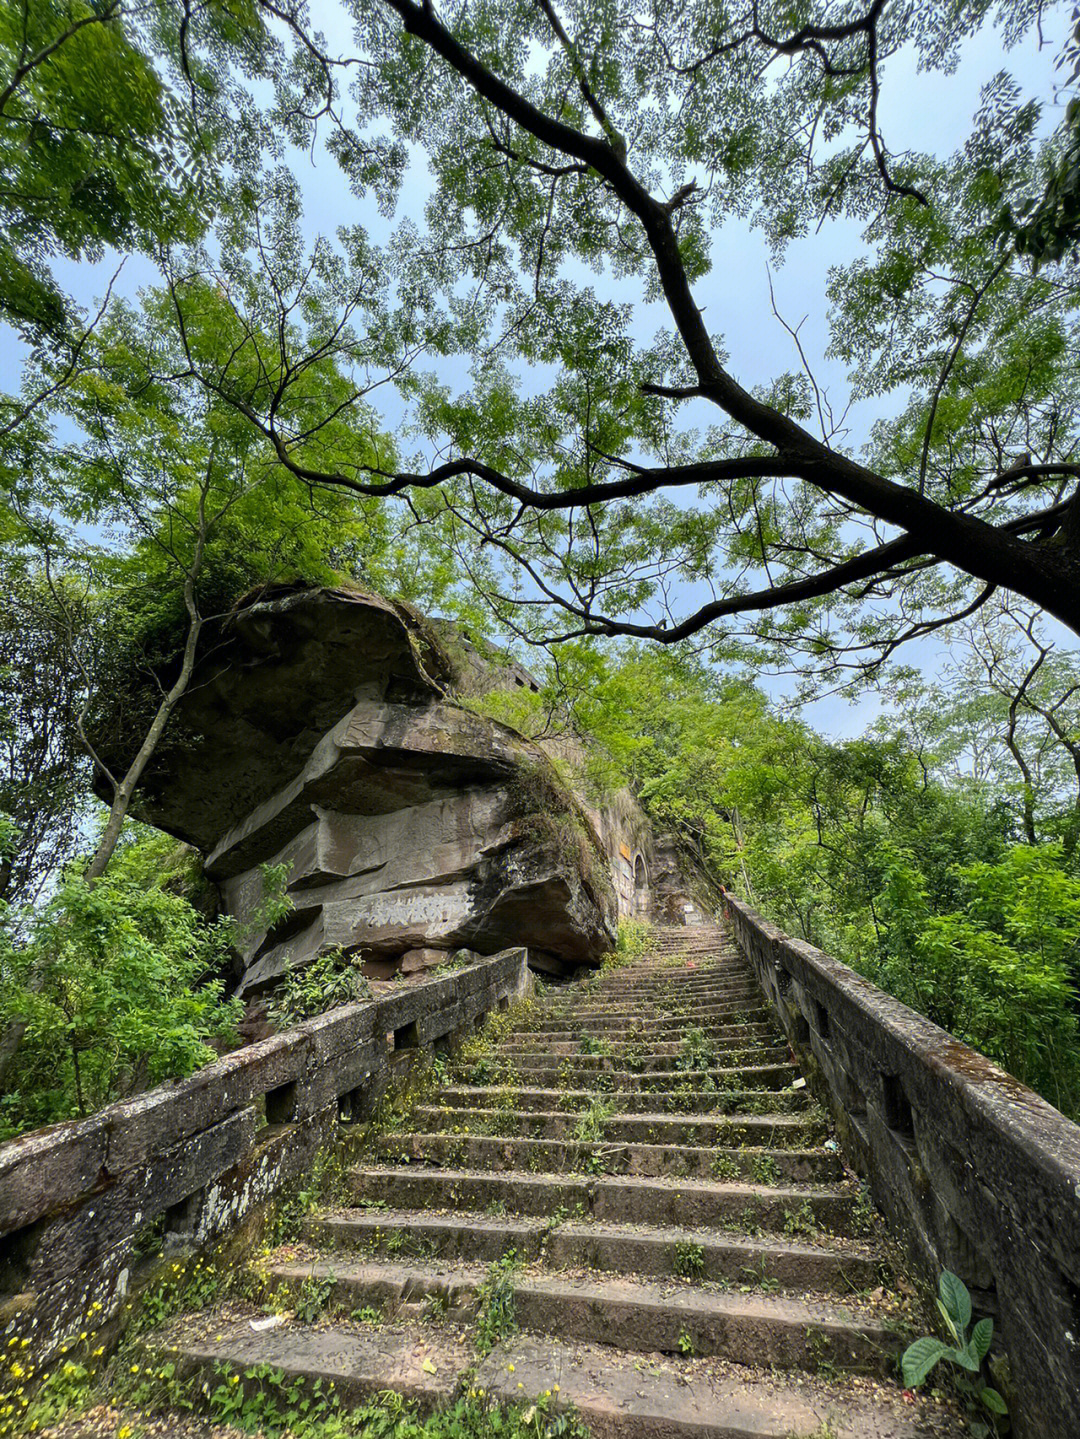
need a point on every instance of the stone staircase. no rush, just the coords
(632, 1206)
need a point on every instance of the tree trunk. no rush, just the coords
(125, 789)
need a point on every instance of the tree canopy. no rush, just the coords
(599, 150)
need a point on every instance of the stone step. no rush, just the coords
(647, 1030)
(605, 1077)
(618, 1397)
(636, 1209)
(421, 1233)
(797, 1211)
(684, 981)
(636, 996)
(649, 1047)
(361, 1361)
(603, 1156)
(689, 1014)
(633, 1315)
(758, 1329)
(777, 1131)
(705, 1254)
(613, 1392)
(685, 968)
(653, 1064)
(636, 1101)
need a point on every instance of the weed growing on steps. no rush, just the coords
(724, 1167)
(478, 1053)
(689, 1258)
(634, 942)
(800, 1221)
(820, 1346)
(313, 1297)
(262, 1400)
(863, 1214)
(697, 1051)
(590, 1044)
(636, 1053)
(589, 1128)
(497, 1317)
(758, 1277)
(965, 1355)
(765, 1170)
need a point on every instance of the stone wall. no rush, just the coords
(973, 1170)
(183, 1164)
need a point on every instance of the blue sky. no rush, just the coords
(918, 111)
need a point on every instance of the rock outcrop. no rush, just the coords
(320, 733)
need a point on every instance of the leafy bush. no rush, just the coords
(114, 986)
(634, 941)
(966, 1354)
(999, 971)
(330, 980)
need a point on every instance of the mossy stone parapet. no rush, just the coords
(187, 1162)
(975, 1172)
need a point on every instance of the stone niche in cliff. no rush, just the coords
(320, 733)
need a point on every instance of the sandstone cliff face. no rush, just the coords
(320, 733)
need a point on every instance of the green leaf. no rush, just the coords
(955, 1299)
(919, 1358)
(981, 1336)
(964, 1357)
(993, 1401)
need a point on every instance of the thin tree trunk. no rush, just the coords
(1022, 766)
(125, 789)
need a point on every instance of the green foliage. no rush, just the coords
(313, 1297)
(86, 131)
(599, 1045)
(689, 1259)
(262, 1400)
(43, 768)
(635, 939)
(696, 1051)
(589, 1128)
(1000, 969)
(117, 986)
(914, 880)
(329, 980)
(966, 1354)
(497, 1317)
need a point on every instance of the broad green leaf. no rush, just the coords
(955, 1299)
(919, 1358)
(993, 1401)
(964, 1357)
(981, 1336)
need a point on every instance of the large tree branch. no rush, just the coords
(794, 592)
(963, 540)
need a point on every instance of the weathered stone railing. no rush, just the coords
(183, 1164)
(973, 1170)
